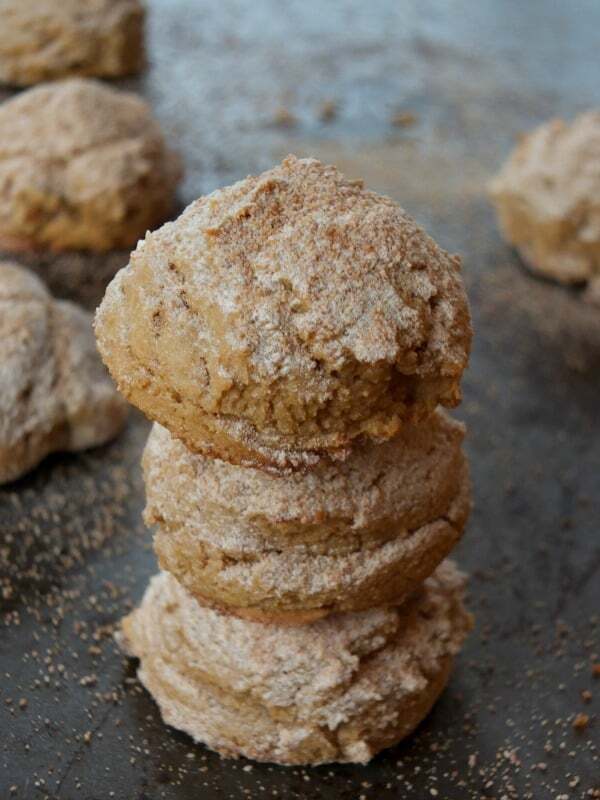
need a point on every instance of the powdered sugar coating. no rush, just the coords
(338, 689)
(296, 584)
(345, 536)
(405, 483)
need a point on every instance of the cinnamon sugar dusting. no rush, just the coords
(328, 265)
(378, 490)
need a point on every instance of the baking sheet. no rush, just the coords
(423, 100)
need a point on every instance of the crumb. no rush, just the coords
(581, 722)
(283, 118)
(328, 111)
(404, 119)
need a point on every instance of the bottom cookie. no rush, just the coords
(339, 689)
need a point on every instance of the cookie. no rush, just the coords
(287, 318)
(42, 40)
(82, 166)
(547, 199)
(54, 391)
(337, 507)
(296, 585)
(339, 689)
(344, 536)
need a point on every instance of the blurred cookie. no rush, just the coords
(54, 391)
(547, 196)
(286, 317)
(82, 166)
(339, 689)
(42, 40)
(345, 536)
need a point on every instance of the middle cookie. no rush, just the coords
(344, 537)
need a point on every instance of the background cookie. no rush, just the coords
(547, 199)
(284, 317)
(43, 40)
(54, 391)
(340, 689)
(82, 166)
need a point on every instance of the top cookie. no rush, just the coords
(548, 199)
(283, 317)
(42, 40)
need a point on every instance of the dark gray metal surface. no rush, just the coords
(74, 555)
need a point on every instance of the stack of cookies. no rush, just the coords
(292, 337)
